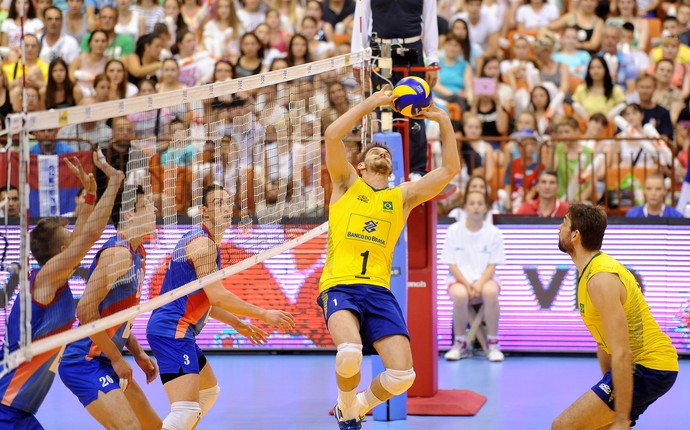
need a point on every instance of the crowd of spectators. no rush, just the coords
(578, 88)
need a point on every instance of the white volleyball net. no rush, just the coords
(258, 139)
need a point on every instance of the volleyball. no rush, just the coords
(413, 95)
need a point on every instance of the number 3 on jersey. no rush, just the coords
(185, 359)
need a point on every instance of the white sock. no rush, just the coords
(347, 402)
(492, 339)
(367, 401)
(461, 339)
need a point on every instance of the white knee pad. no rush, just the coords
(348, 359)
(182, 416)
(397, 382)
(207, 398)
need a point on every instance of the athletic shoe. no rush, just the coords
(353, 424)
(457, 352)
(495, 353)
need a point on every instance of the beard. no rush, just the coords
(567, 248)
(380, 166)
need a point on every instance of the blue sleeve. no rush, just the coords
(670, 212)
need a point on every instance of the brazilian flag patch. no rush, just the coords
(387, 206)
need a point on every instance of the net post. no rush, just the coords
(24, 291)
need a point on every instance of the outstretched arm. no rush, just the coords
(416, 193)
(250, 331)
(608, 295)
(202, 252)
(341, 171)
(59, 268)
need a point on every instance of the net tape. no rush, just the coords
(102, 111)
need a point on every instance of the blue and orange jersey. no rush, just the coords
(25, 387)
(186, 316)
(123, 294)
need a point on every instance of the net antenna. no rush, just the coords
(259, 137)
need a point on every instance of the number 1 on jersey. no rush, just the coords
(365, 258)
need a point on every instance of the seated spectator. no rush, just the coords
(472, 251)
(455, 77)
(552, 74)
(475, 184)
(76, 22)
(492, 110)
(196, 67)
(251, 56)
(37, 70)
(194, 14)
(632, 152)
(278, 37)
(655, 196)
(9, 201)
(56, 44)
(47, 144)
(221, 35)
(522, 172)
(666, 95)
(263, 32)
(60, 92)
(589, 26)
(570, 159)
(639, 57)
(576, 59)
(33, 99)
(173, 18)
(5, 97)
(298, 51)
(120, 87)
(680, 78)
(11, 30)
(654, 113)
(317, 48)
(473, 131)
(535, 14)
(624, 11)
(152, 13)
(129, 21)
(145, 62)
(87, 65)
(119, 45)
(149, 123)
(482, 28)
(671, 30)
(95, 132)
(291, 13)
(598, 94)
(324, 30)
(620, 64)
(470, 49)
(546, 205)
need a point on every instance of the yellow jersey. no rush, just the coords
(650, 346)
(363, 228)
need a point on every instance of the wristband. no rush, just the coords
(90, 199)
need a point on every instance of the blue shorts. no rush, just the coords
(378, 312)
(86, 378)
(176, 356)
(648, 385)
(14, 419)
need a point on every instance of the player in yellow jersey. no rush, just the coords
(365, 221)
(638, 360)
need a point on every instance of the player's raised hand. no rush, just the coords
(280, 319)
(87, 179)
(253, 333)
(148, 366)
(384, 97)
(434, 113)
(100, 162)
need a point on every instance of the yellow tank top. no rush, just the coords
(363, 228)
(650, 346)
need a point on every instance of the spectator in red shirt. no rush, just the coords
(546, 205)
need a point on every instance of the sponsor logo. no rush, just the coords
(87, 113)
(363, 198)
(388, 206)
(366, 237)
(416, 284)
(582, 308)
(64, 118)
(370, 226)
(605, 388)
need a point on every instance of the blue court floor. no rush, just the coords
(295, 392)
